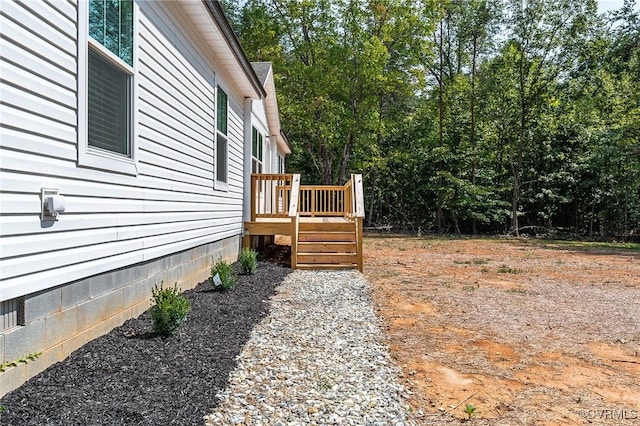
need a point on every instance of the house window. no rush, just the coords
(221, 153)
(109, 116)
(256, 151)
(106, 89)
(111, 25)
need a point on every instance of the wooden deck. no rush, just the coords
(324, 222)
(282, 225)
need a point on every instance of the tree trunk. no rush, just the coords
(372, 195)
(517, 165)
(374, 174)
(440, 214)
(474, 161)
(346, 154)
(515, 198)
(327, 172)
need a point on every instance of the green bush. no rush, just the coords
(170, 310)
(248, 261)
(225, 271)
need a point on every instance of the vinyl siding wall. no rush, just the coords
(111, 220)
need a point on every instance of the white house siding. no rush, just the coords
(160, 224)
(111, 220)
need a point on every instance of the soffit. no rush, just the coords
(210, 22)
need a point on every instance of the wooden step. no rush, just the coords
(326, 236)
(331, 266)
(327, 247)
(327, 226)
(323, 258)
(327, 243)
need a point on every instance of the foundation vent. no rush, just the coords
(11, 313)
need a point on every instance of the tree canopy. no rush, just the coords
(463, 116)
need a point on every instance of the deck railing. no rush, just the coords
(270, 195)
(322, 200)
(348, 199)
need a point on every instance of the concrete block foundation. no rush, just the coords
(60, 320)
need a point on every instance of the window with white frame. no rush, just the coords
(256, 151)
(106, 89)
(221, 153)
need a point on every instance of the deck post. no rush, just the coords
(253, 198)
(359, 230)
(358, 204)
(294, 215)
(294, 242)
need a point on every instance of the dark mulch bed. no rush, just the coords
(133, 377)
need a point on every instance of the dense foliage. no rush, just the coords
(463, 116)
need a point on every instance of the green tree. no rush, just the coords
(463, 115)
(543, 36)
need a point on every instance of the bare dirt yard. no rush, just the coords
(530, 332)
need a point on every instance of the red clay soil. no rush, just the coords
(529, 332)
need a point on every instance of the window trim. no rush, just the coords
(89, 156)
(221, 185)
(256, 159)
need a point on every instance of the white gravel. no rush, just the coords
(319, 358)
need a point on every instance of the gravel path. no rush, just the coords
(317, 358)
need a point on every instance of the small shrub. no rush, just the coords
(225, 271)
(170, 310)
(248, 261)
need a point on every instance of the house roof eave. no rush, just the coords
(264, 70)
(217, 14)
(286, 142)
